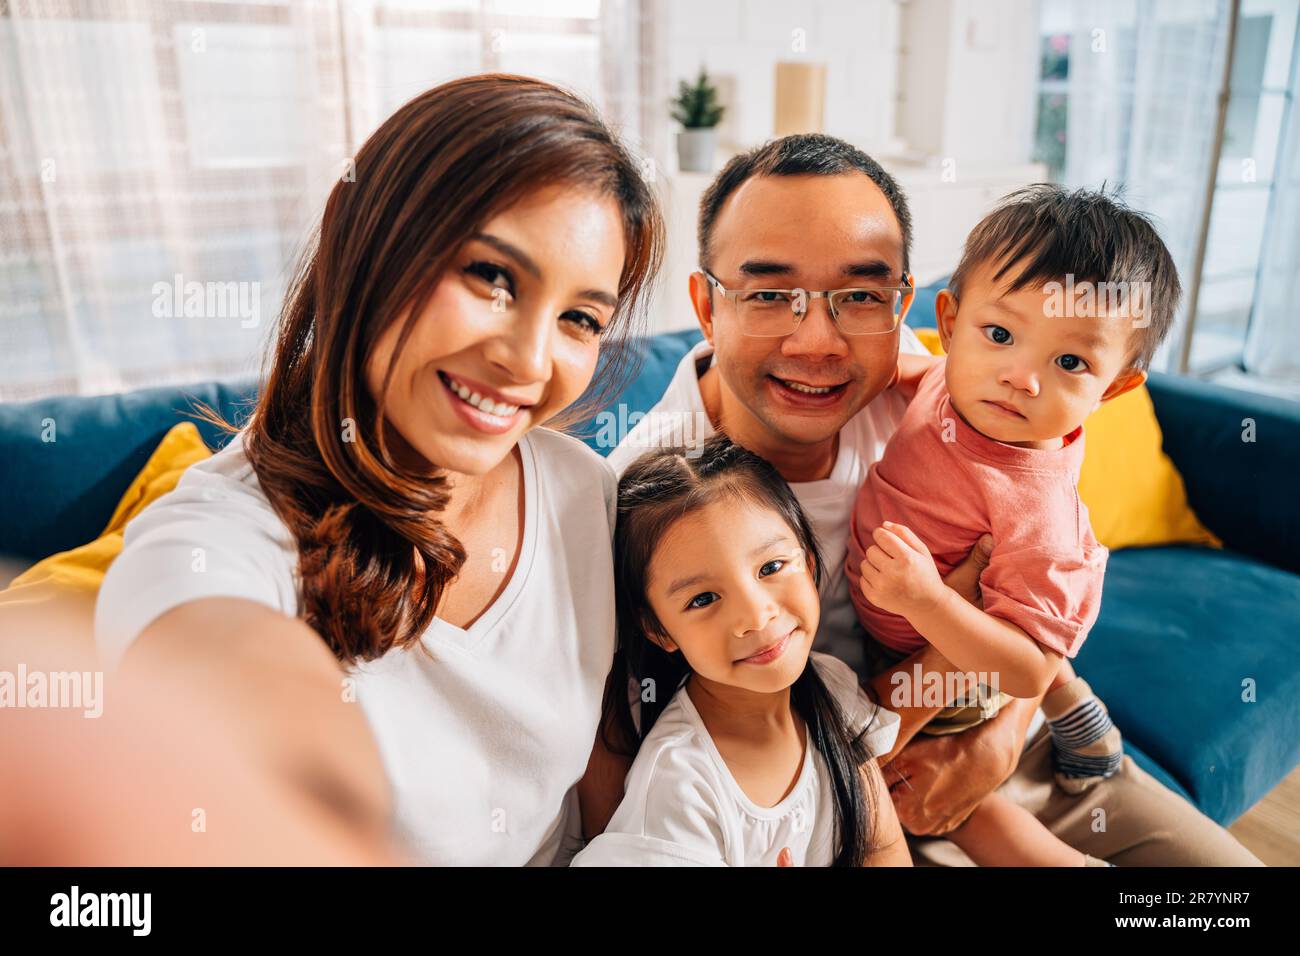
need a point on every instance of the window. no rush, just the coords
(1244, 184)
(151, 145)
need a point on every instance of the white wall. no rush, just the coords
(741, 41)
(913, 83)
(968, 76)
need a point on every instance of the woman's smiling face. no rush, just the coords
(509, 336)
(730, 584)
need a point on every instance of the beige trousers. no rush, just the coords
(1142, 823)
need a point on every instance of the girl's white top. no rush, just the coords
(682, 807)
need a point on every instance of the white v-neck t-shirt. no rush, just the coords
(679, 418)
(482, 738)
(683, 807)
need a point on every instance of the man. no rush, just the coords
(812, 214)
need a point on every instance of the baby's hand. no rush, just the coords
(898, 574)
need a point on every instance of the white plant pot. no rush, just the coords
(695, 148)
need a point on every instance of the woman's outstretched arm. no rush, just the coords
(222, 741)
(281, 697)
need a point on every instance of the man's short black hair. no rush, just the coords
(1048, 232)
(804, 154)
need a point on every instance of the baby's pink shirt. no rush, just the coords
(1046, 571)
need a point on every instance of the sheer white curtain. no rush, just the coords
(162, 161)
(1273, 342)
(1143, 80)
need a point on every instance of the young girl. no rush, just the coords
(745, 747)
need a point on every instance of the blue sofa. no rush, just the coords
(1180, 628)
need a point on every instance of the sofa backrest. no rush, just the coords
(69, 459)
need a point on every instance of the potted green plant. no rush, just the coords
(697, 108)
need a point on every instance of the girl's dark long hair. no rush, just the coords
(374, 557)
(656, 491)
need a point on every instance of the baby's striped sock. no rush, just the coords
(1087, 745)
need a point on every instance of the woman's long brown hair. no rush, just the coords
(374, 559)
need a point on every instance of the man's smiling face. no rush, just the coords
(809, 232)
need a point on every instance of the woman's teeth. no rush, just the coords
(485, 405)
(806, 388)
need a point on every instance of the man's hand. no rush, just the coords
(898, 572)
(937, 782)
(964, 579)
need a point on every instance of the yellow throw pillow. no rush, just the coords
(930, 339)
(1134, 494)
(82, 569)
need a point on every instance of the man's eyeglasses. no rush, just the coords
(873, 308)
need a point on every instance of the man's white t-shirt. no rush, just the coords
(683, 807)
(484, 736)
(679, 418)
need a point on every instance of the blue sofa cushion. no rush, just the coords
(656, 361)
(59, 494)
(1239, 454)
(1179, 631)
(921, 314)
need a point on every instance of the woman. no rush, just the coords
(450, 559)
